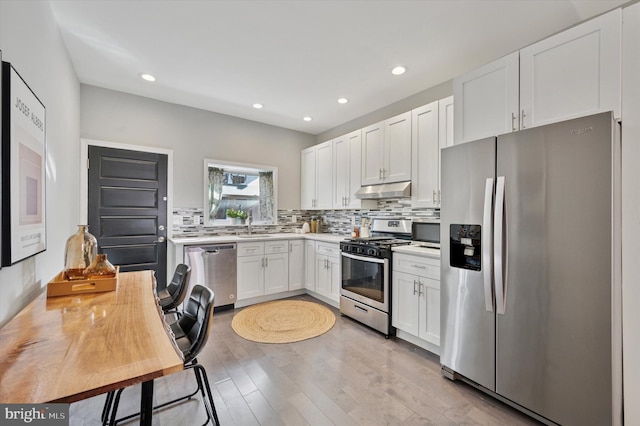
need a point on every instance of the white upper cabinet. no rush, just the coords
(397, 138)
(386, 151)
(574, 73)
(316, 188)
(426, 154)
(445, 118)
(324, 175)
(308, 175)
(372, 153)
(347, 161)
(487, 100)
(341, 166)
(432, 129)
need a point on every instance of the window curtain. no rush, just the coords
(266, 196)
(216, 179)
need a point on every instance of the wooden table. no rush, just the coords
(67, 348)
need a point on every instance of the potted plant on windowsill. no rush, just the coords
(237, 216)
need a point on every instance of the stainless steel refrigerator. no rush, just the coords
(526, 245)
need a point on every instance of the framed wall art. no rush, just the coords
(22, 169)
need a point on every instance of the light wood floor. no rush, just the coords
(351, 375)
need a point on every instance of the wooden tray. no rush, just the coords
(60, 286)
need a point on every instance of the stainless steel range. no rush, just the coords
(365, 294)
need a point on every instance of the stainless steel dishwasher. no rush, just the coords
(214, 266)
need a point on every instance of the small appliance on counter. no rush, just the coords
(426, 232)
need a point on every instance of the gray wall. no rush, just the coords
(193, 135)
(407, 104)
(30, 40)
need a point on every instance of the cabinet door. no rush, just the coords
(310, 265)
(372, 153)
(397, 151)
(250, 278)
(276, 273)
(573, 73)
(335, 277)
(425, 169)
(429, 328)
(487, 101)
(296, 264)
(324, 175)
(445, 120)
(445, 132)
(308, 175)
(341, 163)
(355, 169)
(404, 314)
(323, 277)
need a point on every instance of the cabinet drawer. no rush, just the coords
(250, 249)
(328, 249)
(416, 265)
(276, 246)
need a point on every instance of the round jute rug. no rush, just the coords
(283, 321)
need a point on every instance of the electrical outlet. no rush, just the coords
(353, 221)
(294, 218)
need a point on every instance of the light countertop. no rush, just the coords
(215, 239)
(417, 250)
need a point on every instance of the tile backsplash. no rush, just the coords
(188, 222)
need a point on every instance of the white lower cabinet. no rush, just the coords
(416, 297)
(327, 268)
(263, 268)
(310, 265)
(296, 264)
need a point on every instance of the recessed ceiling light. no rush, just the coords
(257, 106)
(147, 77)
(343, 100)
(307, 118)
(399, 70)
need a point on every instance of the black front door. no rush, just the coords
(128, 208)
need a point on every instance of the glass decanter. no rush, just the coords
(100, 268)
(79, 253)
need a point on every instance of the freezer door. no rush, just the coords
(467, 317)
(554, 339)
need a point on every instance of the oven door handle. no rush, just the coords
(363, 258)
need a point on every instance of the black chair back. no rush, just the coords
(195, 322)
(177, 288)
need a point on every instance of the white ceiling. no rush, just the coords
(298, 57)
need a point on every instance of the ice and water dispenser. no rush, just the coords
(465, 246)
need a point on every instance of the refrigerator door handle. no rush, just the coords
(498, 248)
(487, 231)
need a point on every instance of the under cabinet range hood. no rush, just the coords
(384, 190)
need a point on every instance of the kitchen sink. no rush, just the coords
(254, 236)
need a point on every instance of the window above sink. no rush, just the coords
(250, 188)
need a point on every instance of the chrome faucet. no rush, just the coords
(249, 221)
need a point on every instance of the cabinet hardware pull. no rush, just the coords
(418, 266)
(513, 122)
(523, 116)
(414, 287)
(420, 284)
